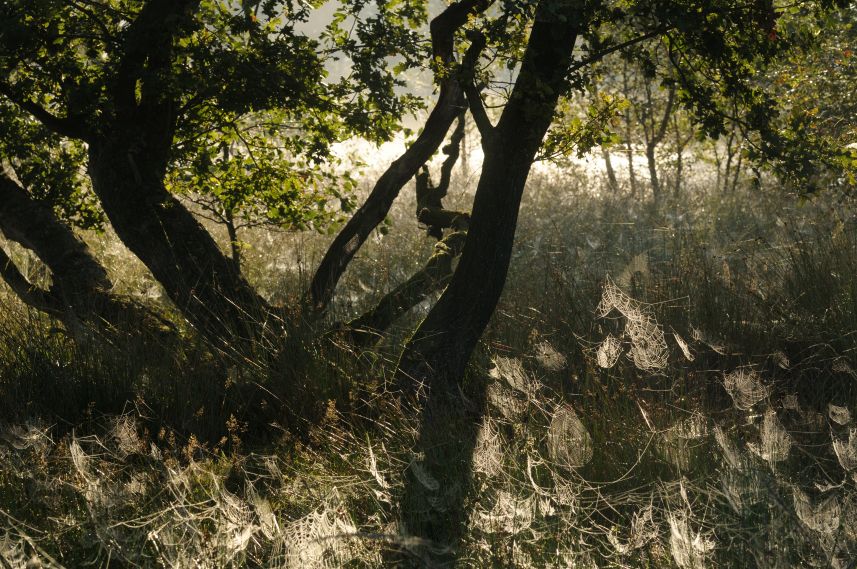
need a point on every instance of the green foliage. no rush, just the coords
(576, 134)
(234, 70)
(48, 168)
(245, 180)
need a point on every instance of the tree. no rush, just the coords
(708, 40)
(148, 88)
(249, 180)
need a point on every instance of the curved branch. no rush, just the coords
(81, 288)
(662, 129)
(63, 126)
(429, 196)
(477, 111)
(599, 55)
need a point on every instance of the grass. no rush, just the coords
(115, 456)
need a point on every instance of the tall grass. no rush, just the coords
(715, 428)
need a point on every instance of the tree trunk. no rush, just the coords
(179, 252)
(434, 360)
(653, 173)
(679, 164)
(611, 173)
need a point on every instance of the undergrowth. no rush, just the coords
(670, 387)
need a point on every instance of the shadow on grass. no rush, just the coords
(436, 502)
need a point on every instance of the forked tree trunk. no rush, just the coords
(654, 136)
(128, 157)
(182, 256)
(434, 360)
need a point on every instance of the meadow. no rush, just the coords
(667, 386)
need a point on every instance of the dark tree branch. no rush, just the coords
(598, 56)
(662, 129)
(63, 126)
(106, 36)
(477, 111)
(80, 291)
(434, 276)
(438, 269)
(449, 104)
(429, 196)
(443, 218)
(35, 226)
(453, 152)
(474, 99)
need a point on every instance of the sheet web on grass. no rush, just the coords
(839, 415)
(819, 515)
(548, 356)
(569, 443)
(689, 548)
(648, 344)
(846, 452)
(745, 387)
(324, 539)
(774, 441)
(609, 351)
(488, 453)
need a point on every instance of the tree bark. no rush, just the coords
(181, 255)
(128, 157)
(611, 173)
(433, 362)
(443, 343)
(449, 104)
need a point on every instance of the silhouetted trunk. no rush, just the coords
(128, 157)
(611, 173)
(737, 174)
(730, 154)
(449, 104)
(434, 360)
(173, 245)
